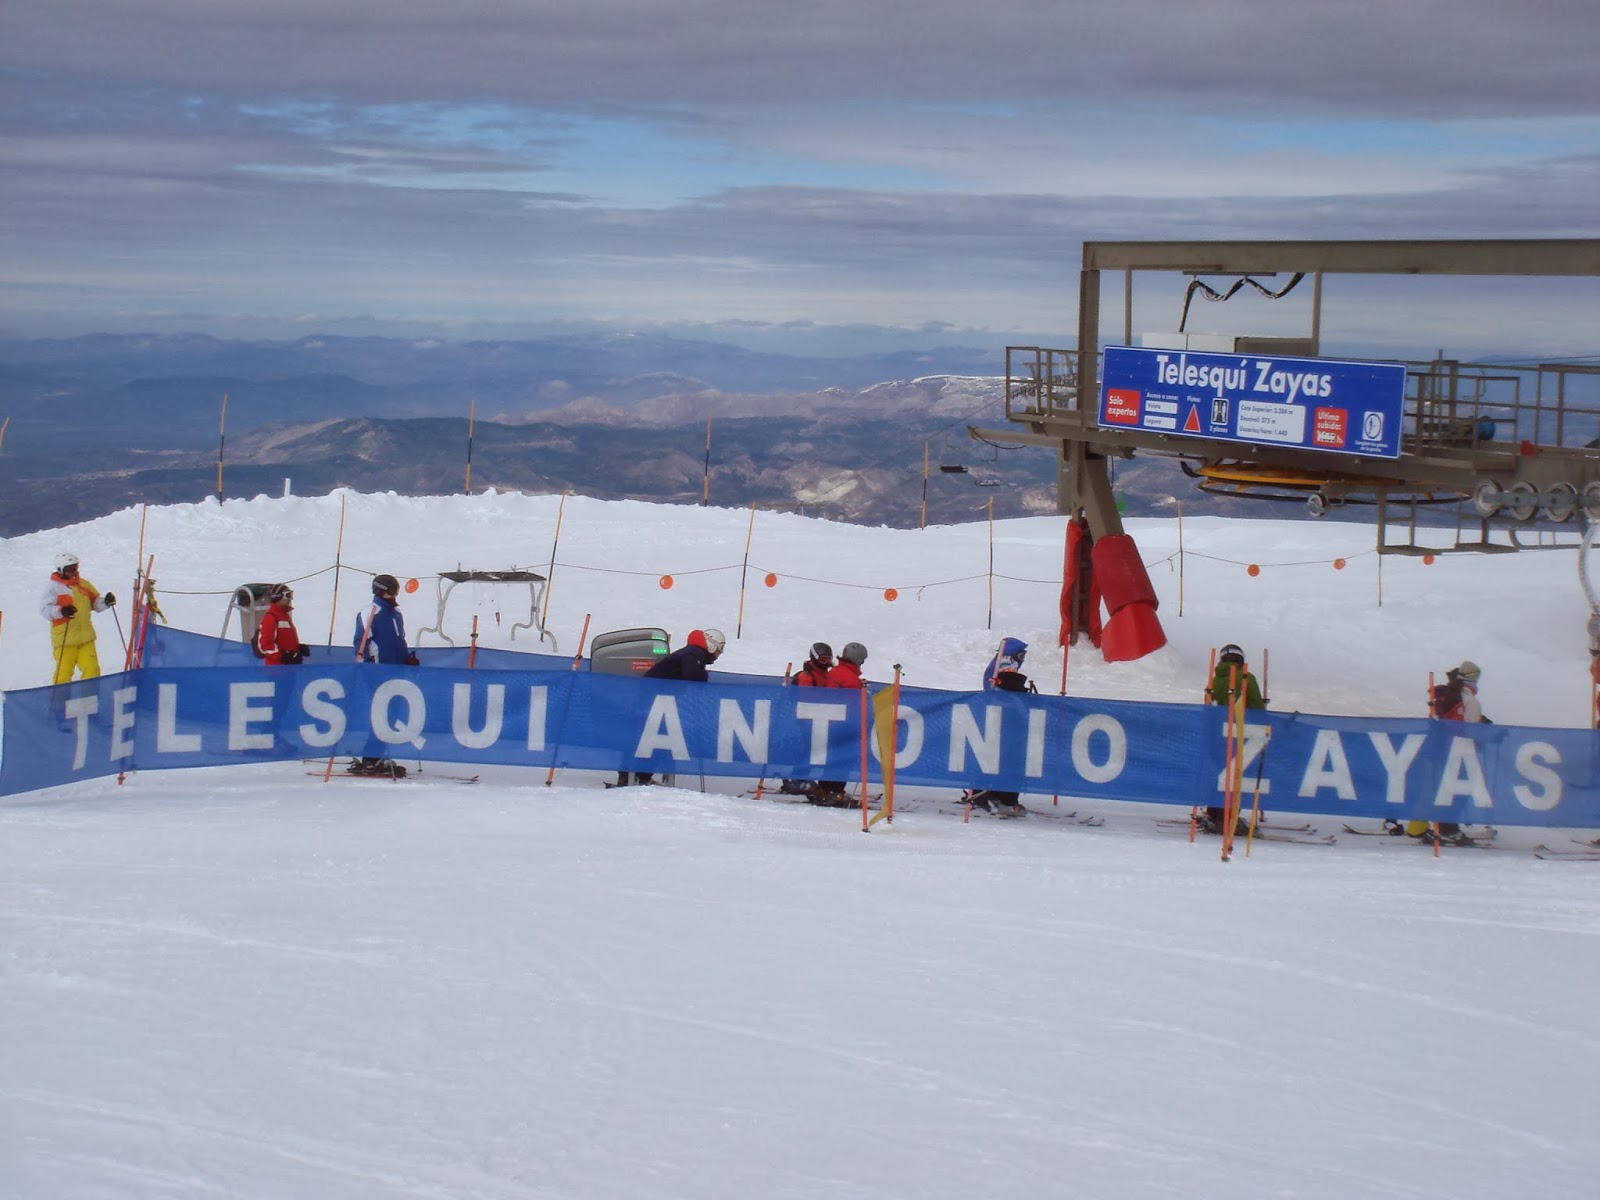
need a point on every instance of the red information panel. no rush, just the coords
(1327, 428)
(1122, 406)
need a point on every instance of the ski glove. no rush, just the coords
(69, 610)
(412, 660)
(110, 598)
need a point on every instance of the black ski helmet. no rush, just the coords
(1231, 654)
(854, 652)
(821, 652)
(385, 585)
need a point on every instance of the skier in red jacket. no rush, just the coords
(846, 673)
(277, 640)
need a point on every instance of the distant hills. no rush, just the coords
(102, 422)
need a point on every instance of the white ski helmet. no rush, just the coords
(714, 641)
(63, 561)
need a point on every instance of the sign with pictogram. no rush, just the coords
(1337, 406)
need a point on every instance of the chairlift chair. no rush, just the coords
(448, 581)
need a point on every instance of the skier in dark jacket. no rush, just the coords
(1004, 674)
(1230, 680)
(700, 649)
(381, 638)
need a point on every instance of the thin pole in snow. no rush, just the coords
(550, 571)
(705, 479)
(222, 441)
(744, 571)
(338, 552)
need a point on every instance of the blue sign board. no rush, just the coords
(1324, 404)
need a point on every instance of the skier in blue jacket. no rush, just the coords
(381, 637)
(1004, 673)
(381, 629)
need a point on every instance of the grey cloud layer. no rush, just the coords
(1413, 57)
(217, 156)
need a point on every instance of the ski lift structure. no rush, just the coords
(1505, 443)
(448, 581)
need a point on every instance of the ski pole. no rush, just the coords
(61, 654)
(118, 620)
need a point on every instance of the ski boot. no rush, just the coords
(382, 768)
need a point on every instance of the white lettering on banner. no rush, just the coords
(752, 737)
(1534, 760)
(1116, 748)
(538, 707)
(243, 712)
(663, 730)
(1327, 767)
(1033, 766)
(168, 739)
(80, 709)
(916, 731)
(821, 717)
(494, 716)
(122, 722)
(409, 731)
(314, 701)
(1255, 741)
(1462, 776)
(1396, 762)
(965, 735)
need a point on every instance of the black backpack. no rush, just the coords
(1013, 681)
(1447, 696)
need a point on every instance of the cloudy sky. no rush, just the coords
(803, 173)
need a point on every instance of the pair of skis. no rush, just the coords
(1302, 835)
(1581, 852)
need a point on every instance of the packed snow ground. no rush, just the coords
(245, 983)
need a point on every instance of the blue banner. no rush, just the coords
(1324, 404)
(162, 718)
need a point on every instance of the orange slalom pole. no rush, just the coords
(472, 651)
(136, 639)
(577, 661)
(1235, 763)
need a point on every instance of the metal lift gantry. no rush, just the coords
(1504, 442)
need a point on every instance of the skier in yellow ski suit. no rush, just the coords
(68, 600)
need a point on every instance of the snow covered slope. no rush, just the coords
(247, 983)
